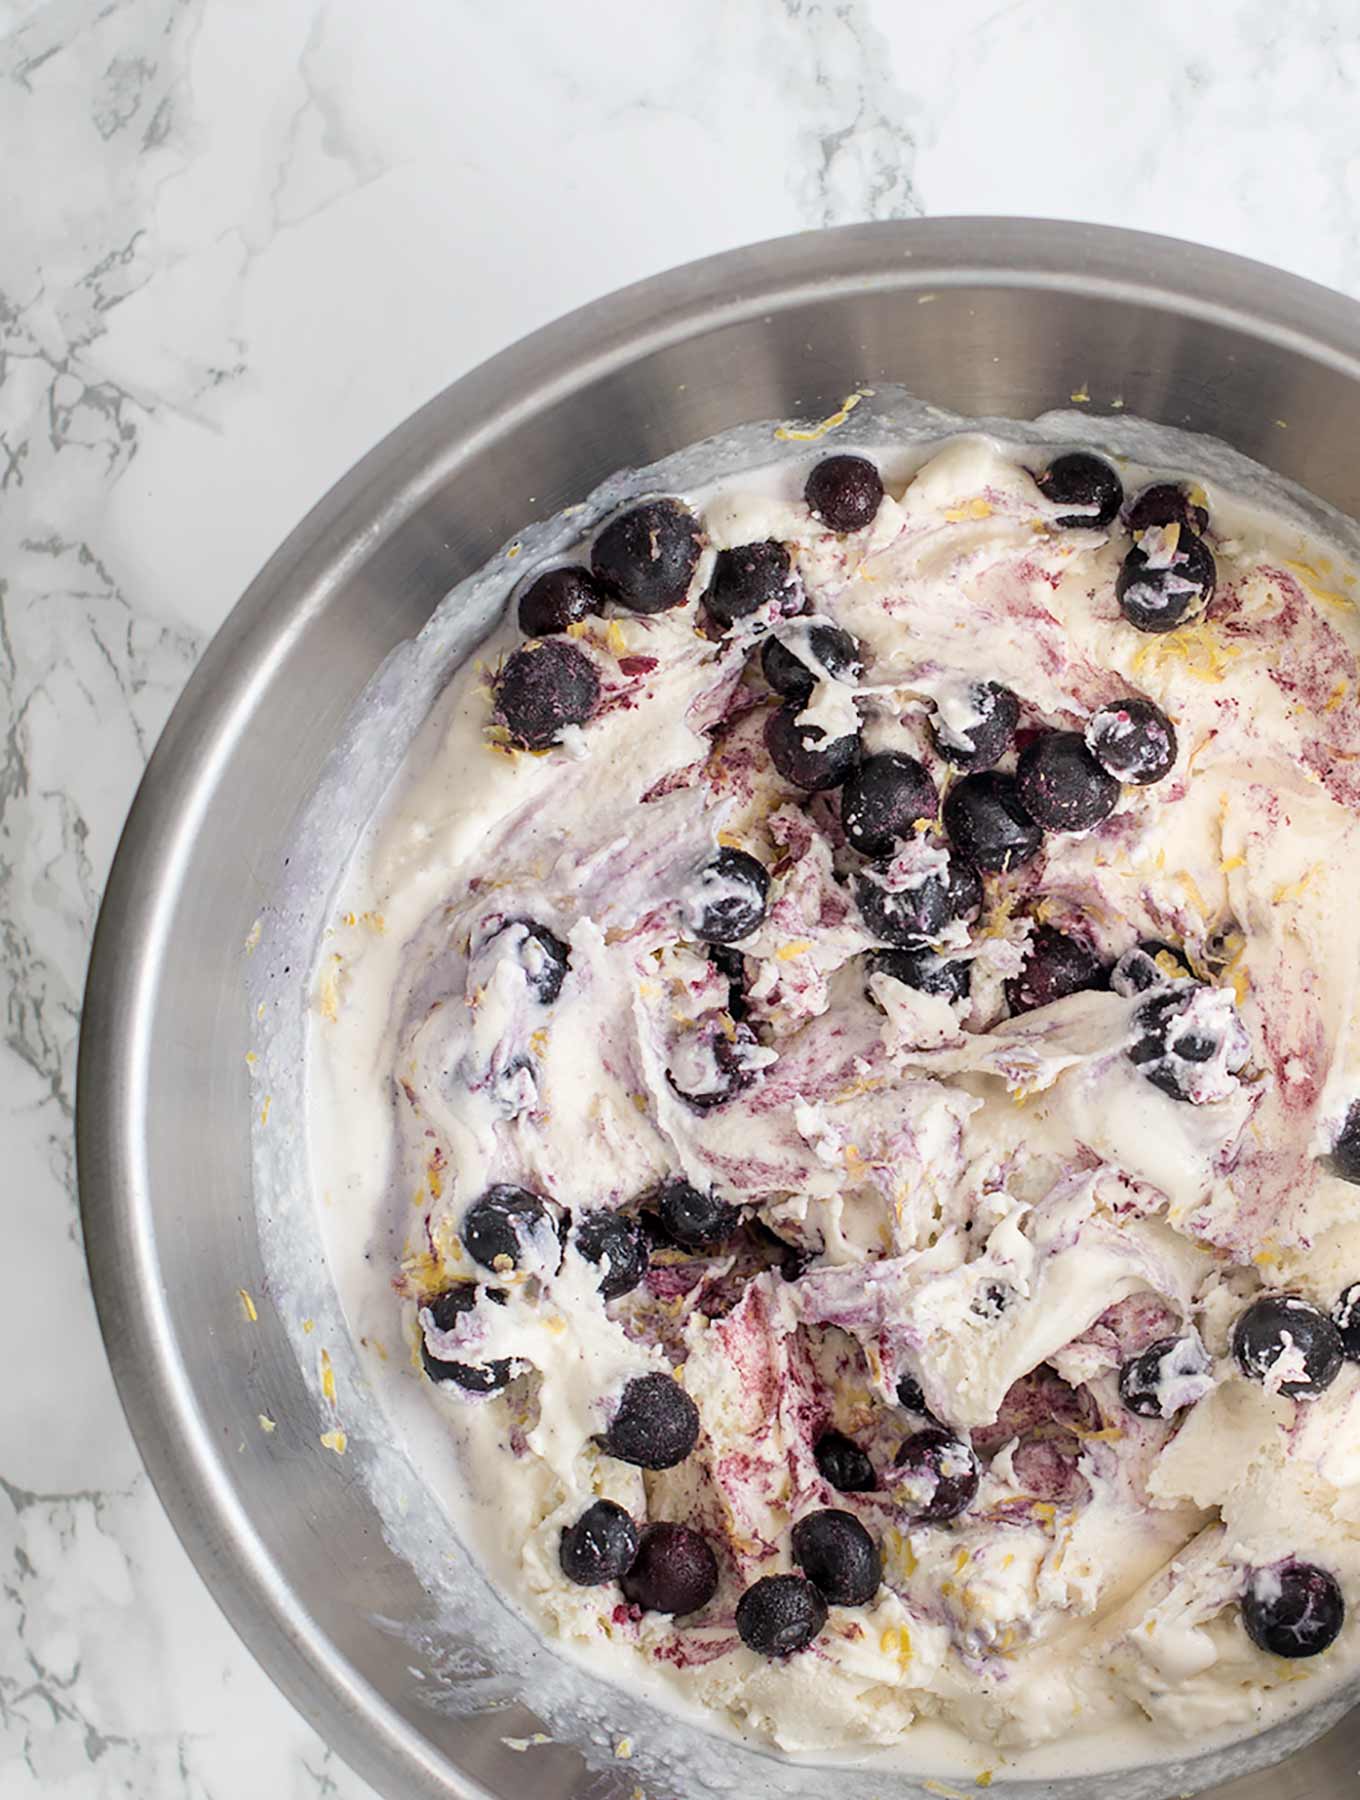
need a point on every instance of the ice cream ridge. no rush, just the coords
(877, 1050)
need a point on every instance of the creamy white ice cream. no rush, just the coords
(1005, 1209)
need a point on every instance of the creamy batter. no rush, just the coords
(984, 1191)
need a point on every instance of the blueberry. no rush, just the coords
(543, 956)
(1055, 966)
(655, 1424)
(780, 1614)
(675, 1571)
(1346, 1148)
(558, 598)
(842, 1464)
(503, 1224)
(1149, 964)
(902, 919)
(965, 890)
(711, 1067)
(728, 901)
(1165, 504)
(943, 1475)
(1160, 595)
(804, 755)
(746, 579)
(542, 689)
(1175, 1039)
(731, 965)
(838, 1557)
(600, 1546)
(1346, 1318)
(1133, 740)
(446, 1309)
(646, 558)
(835, 650)
(844, 492)
(1061, 785)
(1165, 1378)
(980, 745)
(1283, 1329)
(609, 1235)
(1079, 479)
(694, 1219)
(987, 823)
(911, 1395)
(925, 970)
(1293, 1609)
(883, 799)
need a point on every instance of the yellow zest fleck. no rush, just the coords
(729, 840)
(854, 1162)
(946, 1793)
(976, 508)
(264, 1110)
(309, 1326)
(1262, 1257)
(1227, 866)
(1110, 1434)
(253, 936)
(1045, 1512)
(1292, 889)
(985, 1779)
(513, 552)
(327, 1377)
(259, 1010)
(787, 952)
(792, 434)
(247, 1306)
(436, 1181)
(538, 1041)
(1007, 1559)
(947, 1590)
(1192, 893)
(624, 1749)
(1198, 648)
(1313, 582)
(328, 988)
(349, 919)
(618, 643)
(1337, 695)
(555, 1322)
(335, 1440)
(640, 1102)
(577, 629)
(266, 1424)
(960, 1562)
(1081, 397)
(896, 1641)
(251, 1058)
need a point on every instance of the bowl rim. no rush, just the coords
(363, 510)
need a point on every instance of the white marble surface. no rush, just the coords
(241, 239)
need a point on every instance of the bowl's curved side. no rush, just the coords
(983, 317)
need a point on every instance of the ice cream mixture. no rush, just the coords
(840, 1050)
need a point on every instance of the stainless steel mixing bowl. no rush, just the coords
(1022, 317)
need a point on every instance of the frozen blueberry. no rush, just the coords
(911, 1396)
(1346, 1318)
(646, 558)
(987, 822)
(883, 799)
(780, 1614)
(838, 1557)
(804, 755)
(1149, 964)
(1346, 1149)
(709, 1067)
(542, 689)
(1165, 1378)
(1133, 740)
(1293, 1609)
(836, 654)
(692, 1218)
(1166, 503)
(986, 738)
(600, 1546)
(731, 965)
(558, 598)
(943, 1475)
(1283, 1330)
(1055, 966)
(446, 1309)
(675, 1571)
(1176, 1038)
(728, 899)
(612, 1236)
(965, 890)
(1159, 593)
(1061, 785)
(543, 956)
(842, 1464)
(655, 1425)
(844, 492)
(746, 579)
(903, 919)
(1082, 480)
(503, 1223)
(925, 970)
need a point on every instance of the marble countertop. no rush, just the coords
(243, 238)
